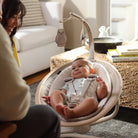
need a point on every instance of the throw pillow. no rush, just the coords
(34, 14)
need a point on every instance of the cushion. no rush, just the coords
(99, 70)
(34, 14)
(52, 12)
(34, 36)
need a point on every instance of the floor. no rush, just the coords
(36, 77)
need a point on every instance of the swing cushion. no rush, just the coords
(99, 70)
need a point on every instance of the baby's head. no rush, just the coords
(81, 68)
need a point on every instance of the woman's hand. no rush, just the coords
(6, 129)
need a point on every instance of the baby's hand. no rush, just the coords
(102, 90)
(47, 99)
(101, 82)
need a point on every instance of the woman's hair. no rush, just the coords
(10, 8)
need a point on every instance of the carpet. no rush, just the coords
(124, 125)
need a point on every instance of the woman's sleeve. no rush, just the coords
(14, 93)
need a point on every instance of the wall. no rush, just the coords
(103, 13)
(124, 14)
(84, 8)
(96, 12)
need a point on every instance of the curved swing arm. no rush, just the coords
(85, 24)
(108, 117)
(91, 44)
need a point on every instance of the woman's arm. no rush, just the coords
(15, 94)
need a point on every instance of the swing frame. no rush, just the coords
(71, 129)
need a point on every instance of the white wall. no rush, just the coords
(128, 12)
(103, 13)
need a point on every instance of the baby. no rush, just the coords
(73, 100)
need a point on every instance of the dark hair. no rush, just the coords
(9, 8)
(86, 61)
(80, 58)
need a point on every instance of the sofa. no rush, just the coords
(35, 40)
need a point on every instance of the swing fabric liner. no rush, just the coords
(109, 74)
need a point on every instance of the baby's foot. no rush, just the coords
(60, 109)
(68, 113)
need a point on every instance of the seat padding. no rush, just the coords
(100, 70)
(34, 36)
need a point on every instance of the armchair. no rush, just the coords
(35, 40)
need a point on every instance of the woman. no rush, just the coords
(12, 18)
(35, 121)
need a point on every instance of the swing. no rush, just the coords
(108, 73)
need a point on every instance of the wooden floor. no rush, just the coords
(36, 77)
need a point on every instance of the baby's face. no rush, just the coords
(80, 69)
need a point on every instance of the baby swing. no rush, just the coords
(112, 78)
